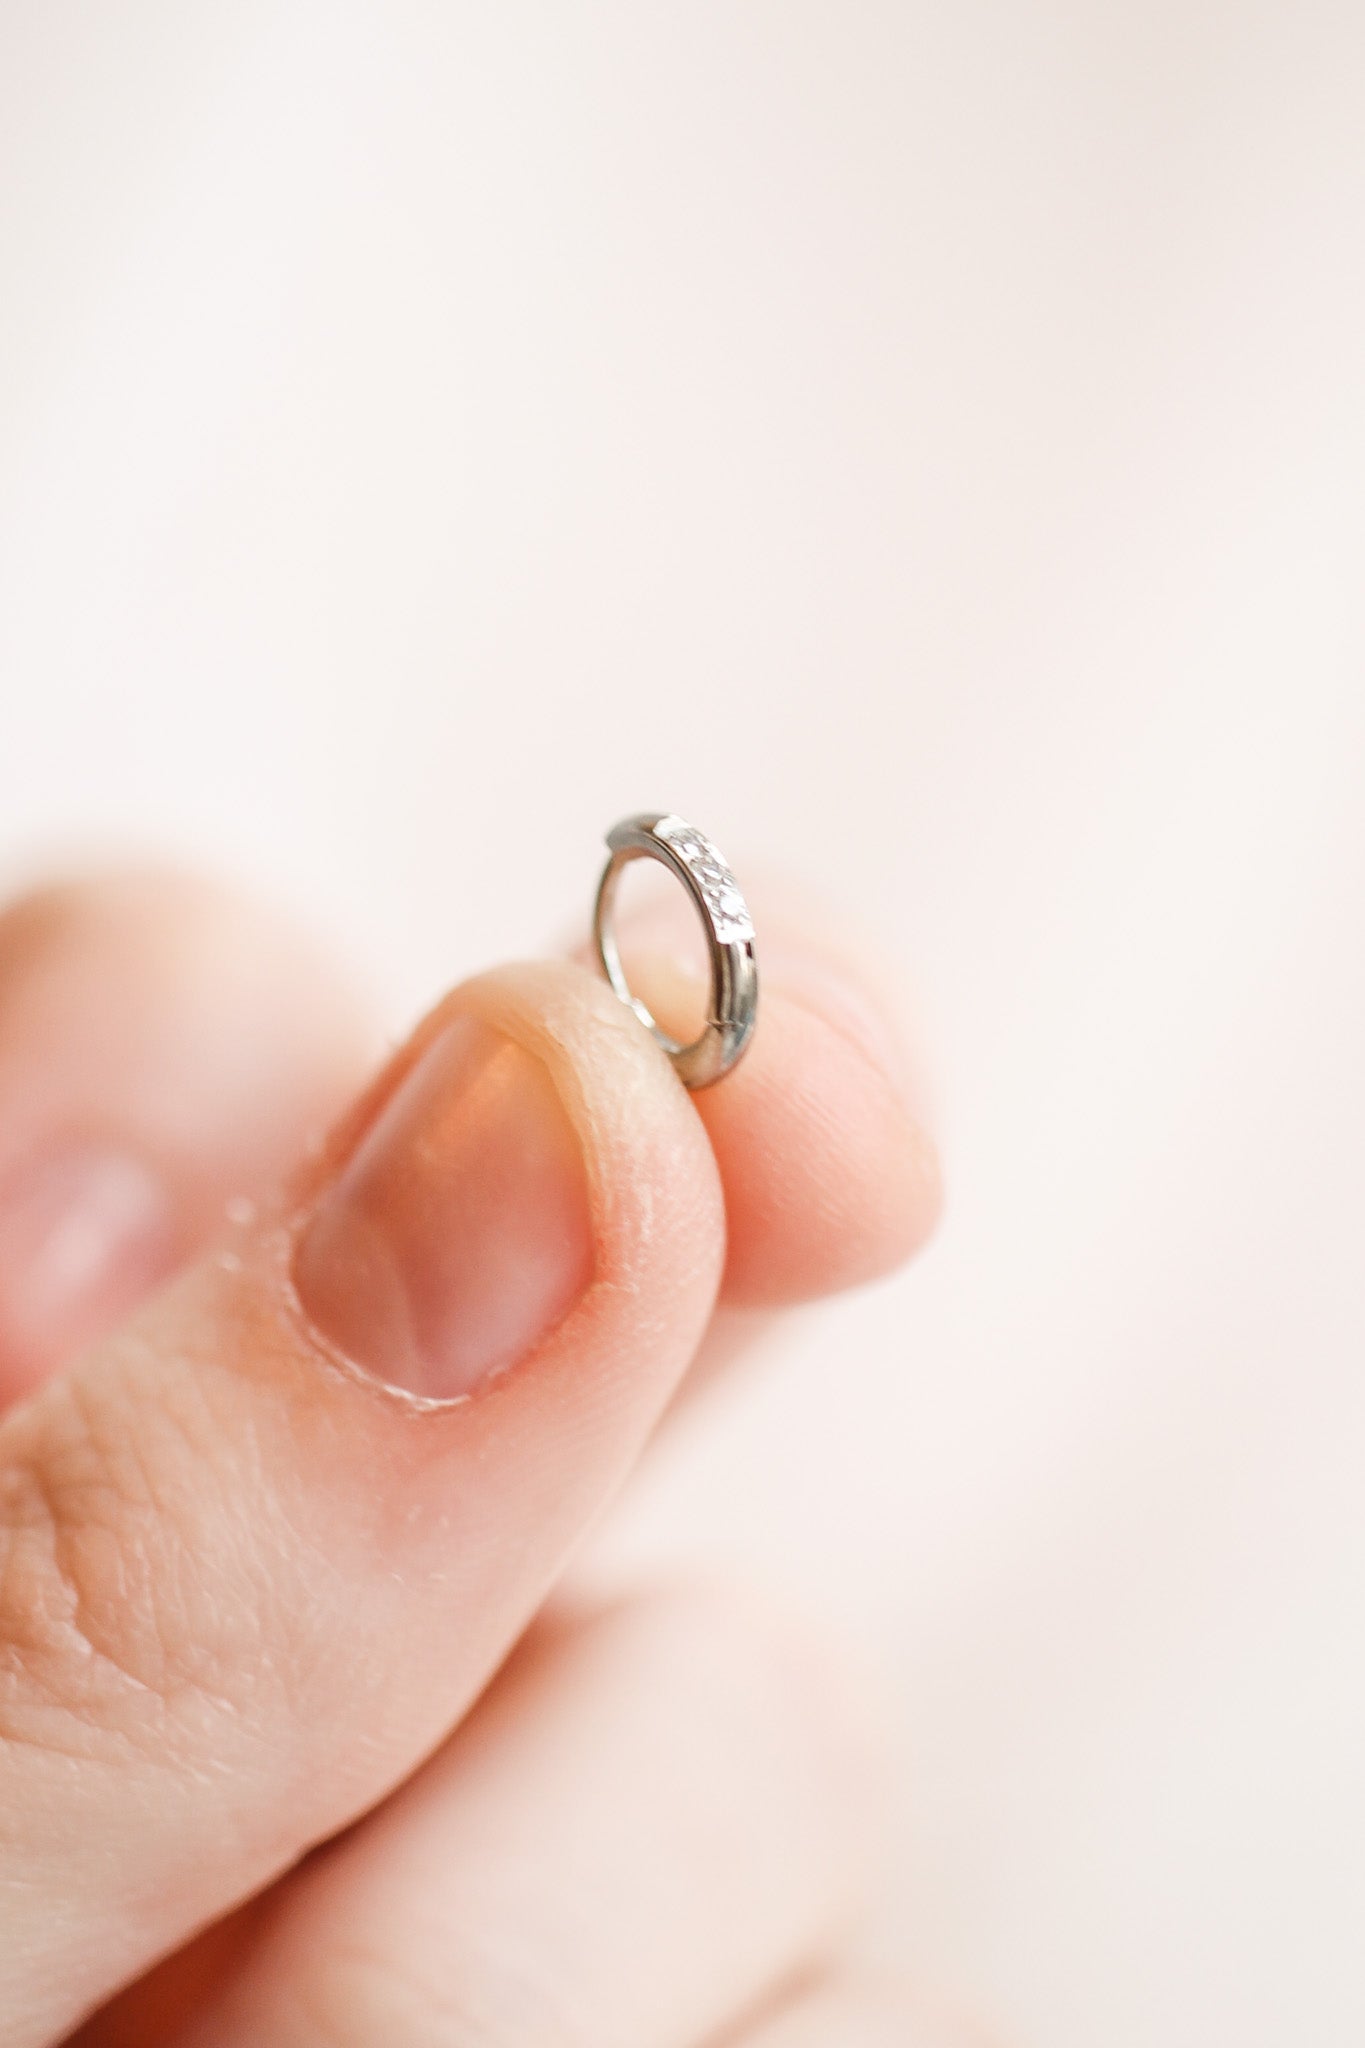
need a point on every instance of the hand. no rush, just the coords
(266, 1542)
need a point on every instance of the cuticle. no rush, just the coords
(281, 1255)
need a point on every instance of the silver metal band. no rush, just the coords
(729, 929)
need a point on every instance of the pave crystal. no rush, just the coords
(729, 929)
(708, 867)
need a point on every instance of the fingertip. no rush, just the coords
(831, 1176)
(822, 1132)
(527, 1150)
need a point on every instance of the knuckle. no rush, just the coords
(509, 1965)
(111, 1630)
(498, 1996)
(778, 1676)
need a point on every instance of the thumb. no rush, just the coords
(259, 1552)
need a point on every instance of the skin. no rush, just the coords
(294, 1748)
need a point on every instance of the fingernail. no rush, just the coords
(85, 1231)
(459, 1233)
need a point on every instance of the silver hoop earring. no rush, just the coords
(698, 865)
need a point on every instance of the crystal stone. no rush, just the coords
(720, 891)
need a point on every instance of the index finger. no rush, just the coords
(830, 1170)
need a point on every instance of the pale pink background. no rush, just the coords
(925, 444)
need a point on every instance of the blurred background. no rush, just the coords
(924, 445)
